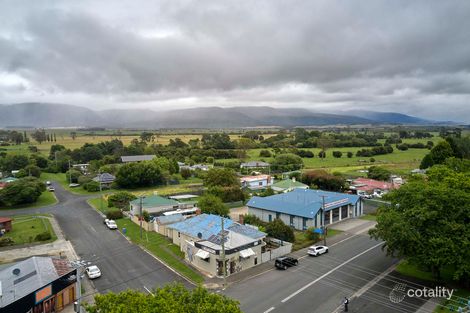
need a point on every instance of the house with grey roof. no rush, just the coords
(201, 238)
(105, 179)
(255, 164)
(37, 284)
(137, 158)
(304, 208)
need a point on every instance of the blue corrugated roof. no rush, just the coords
(211, 225)
(302, 202)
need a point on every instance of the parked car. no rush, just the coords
(285, 262)
(93, 272)
(48, 183)
(111, 224)
(73, 185)
(317, 250)
(50, 188)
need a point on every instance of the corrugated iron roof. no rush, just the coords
(137, 158)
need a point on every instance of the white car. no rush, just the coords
(93, 272)
(317, 250)
(50, 188)
(48, 183)
(111, 224)
(73, 185)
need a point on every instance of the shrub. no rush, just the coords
(185, 173)
(92, 186)
(72, 175)
(350, 154)
(253, 220)
(372, 160)
(43, 236)
(311, 235)
(115, 215)
(279, 230)
(146, 216)
(337, 154)
(121, 200)
(82, 180)
(265, 154)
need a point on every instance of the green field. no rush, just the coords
(26, 227)
(162, 248)
(45, 199)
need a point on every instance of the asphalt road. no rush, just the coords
(320, 284)
(123, 265)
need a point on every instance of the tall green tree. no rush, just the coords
(437, 155)
(428, 222)
(174, 298)
(378, 173)
(211, 204)
(39, 135)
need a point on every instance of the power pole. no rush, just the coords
(323, 219)
(101, 196)
(223, 254)
(70, 174)
(141, 217)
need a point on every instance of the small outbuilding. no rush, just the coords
(5, 224)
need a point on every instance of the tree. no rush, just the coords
(222, 177)
(427, 222)
(147, 137)
(287, 162)
(337, 154)
(142, 174)
(265, 154)
(22, 191)
(14, 162)
(437, 155)
(121, 200)
(185, 173)
(323, 180)
(378, 173)
(173, 298)
(212, 204)
(72, 175)
(33, 170)
(279, 230)
(39, 135)
(350, 154)
(73, 135)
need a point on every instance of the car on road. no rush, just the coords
(316, 250)
(50, 188)
(285, 262)
(111, 224)
(93, 272)
(48, 183)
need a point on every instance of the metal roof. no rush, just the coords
(288, 183)
(255, 164)
(302, 202)
(105, 178)
(170, 219)
(154, 201)
(32, 274)
(137, 158)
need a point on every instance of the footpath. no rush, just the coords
(350, 228)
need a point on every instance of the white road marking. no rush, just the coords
(269, 310)
(148, 291)
(329, 272)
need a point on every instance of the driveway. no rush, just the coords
(122, 264)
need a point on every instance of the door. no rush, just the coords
(60, 301)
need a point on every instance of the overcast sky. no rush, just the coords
(404, 56)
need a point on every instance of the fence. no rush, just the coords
(283, 249)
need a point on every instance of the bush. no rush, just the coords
(92, 186)
(350, 154)
(379, 173)
(265, 154)
(337, 154)
(372, 160)
(43, 236)
(33, 149)
(323, 180)
(121, 200)
(185, 173)
(253, 220)
(311, 235)
(6, 241)
(82, 180)
(146, 216)
(279, 230)
(22, 191)
(72, 175)
(115, 215)
(322, 154)
(212, 204)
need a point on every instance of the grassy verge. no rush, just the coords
(45, 199)
(162, 248)
(96, 203)
(301, 240)
(369, 217)
(25, 228)
(459, 298)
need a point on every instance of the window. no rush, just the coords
(270, 218)
(260, 183)
(179, 234)
(256, 261)
(304, 223)
(292, 220)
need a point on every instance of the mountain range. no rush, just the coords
(61, 115)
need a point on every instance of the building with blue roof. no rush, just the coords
(303, 208)
(201, 238)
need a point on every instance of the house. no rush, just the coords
(195, 167)
(154, 205)
(287, 185)
(369, 186)
(105, 179)
(7, 180)
(5, 224)
(254, 164)
(302, 208)
(136, 158)
(186, 200)
(37, 284)
(162, 222)
(83, 168)
(200, 238)
(257, 181)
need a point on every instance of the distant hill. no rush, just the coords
(62, 115)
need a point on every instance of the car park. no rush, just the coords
(285, 262)
(317, 250)
(111, 224)
(93, 272)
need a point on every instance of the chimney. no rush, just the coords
(241, 219)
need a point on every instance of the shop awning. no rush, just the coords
(247, 253)
(203, 254)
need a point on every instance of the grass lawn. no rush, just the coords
(96, 203)
(459, 298)
(301, 240)
(26, 227)
(409, 269)
(46, 198)
(162, 248)
(369, 217)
